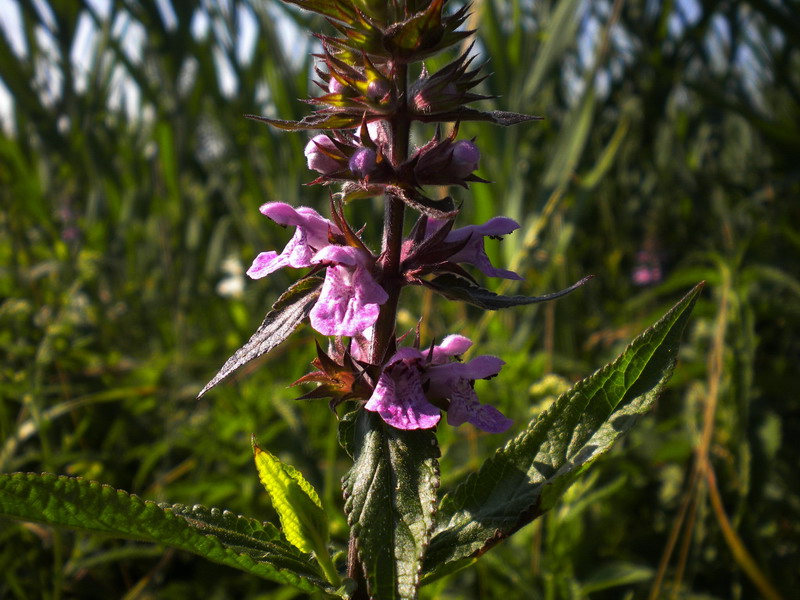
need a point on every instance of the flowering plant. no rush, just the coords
(394, 386)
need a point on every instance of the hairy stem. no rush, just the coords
(390, 278)
(394, 213)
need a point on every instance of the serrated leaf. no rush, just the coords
(297, 503)
(526, 477)
(461, 289)
(390, 499)
(286, 315)
(219, 536)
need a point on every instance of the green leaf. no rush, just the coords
(219, 536)
(462, 290)
(526, 477)
(303, 519)
(390, 501)
(286, 315)
(614, 575)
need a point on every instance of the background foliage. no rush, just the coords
(130, 184)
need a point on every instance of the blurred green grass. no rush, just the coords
(670, 130)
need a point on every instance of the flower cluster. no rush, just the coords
(349, 302)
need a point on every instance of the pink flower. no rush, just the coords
(399, 397)
(411, 379)
(350, 297)
(454, 381)
(362, 163)
(647, 270)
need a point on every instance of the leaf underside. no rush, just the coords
(526, 477)
(286, 315)
(390, 499)
(219, 536)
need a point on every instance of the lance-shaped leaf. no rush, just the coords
(219, 536)
(303, 520)
(526, 477)
(498, 117)
(321, 119)
(461, 289)
(390, 499)
(286, 315)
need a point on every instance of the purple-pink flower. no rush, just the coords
(311, 235)
(474, 252)
(399, 397)
(412, 379)
(350, 297)
(363, 161)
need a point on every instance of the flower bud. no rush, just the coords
(317, 154)
(445, 162)
(430, 99)
(465, 158)
(362, 163)
(377, 89)
(335, 86)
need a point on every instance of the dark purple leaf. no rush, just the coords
(286, 315)
(457, 288)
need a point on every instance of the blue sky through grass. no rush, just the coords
(125, 95)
